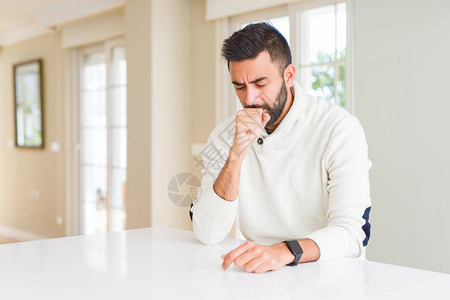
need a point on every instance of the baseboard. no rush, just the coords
(20, 235)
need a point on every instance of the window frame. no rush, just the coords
(295, 10)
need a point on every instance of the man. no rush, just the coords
(295, 170)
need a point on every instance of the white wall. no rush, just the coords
(402, 76)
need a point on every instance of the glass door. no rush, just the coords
(103, 137)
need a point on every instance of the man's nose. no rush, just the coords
(252, 97)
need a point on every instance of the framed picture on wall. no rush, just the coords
(28, 103)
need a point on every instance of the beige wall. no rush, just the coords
(138, 44)
(203, 73)
(170, 103)
(171, 106)
(163, 120)
(23, 170)
(202, 78)
(159, 109)
(401, 71)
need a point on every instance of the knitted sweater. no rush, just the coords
(307, 179)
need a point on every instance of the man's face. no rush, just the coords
(259, 84)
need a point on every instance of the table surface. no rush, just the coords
(163, 263)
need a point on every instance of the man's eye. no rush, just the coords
(260, 85)
(240, 88)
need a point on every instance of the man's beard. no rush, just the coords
(279, 103)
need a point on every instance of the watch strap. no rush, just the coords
(296, 250)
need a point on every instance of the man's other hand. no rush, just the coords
(258, 258)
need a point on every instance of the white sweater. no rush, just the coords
(308, 179)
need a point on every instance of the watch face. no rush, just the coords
(294, 246)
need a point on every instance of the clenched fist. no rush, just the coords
(250, 122)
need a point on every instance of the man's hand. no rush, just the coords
(250, 122)
(249, 125)
(258, 258)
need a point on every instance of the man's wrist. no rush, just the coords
(285, 254)
(227, 182)
(311, 252)
(235, 155)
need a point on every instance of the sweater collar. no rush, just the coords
(294, 123)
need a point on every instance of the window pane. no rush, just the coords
(94, 183)
(118, 187)
(94, 141)
(95, 218)
(340, 85)
(119, 106)
(94, 199)
(119, 147)
(341, 38)
(318, 81)
(118, 219)
(281, 24)
(317, 32)
(118, 66)
(94, 71)
(93, 108)
(323, 82)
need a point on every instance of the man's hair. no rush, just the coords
(255, 38)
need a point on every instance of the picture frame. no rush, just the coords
(28, 104)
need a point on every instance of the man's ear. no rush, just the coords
(289, 75)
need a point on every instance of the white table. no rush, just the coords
(163, 263)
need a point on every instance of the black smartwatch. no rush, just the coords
(296, 250)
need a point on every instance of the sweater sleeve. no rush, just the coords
(213, 217)
(347, 163)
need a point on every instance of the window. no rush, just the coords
(280, 23)
(322, 51)
(317, 34)
(103, 137)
